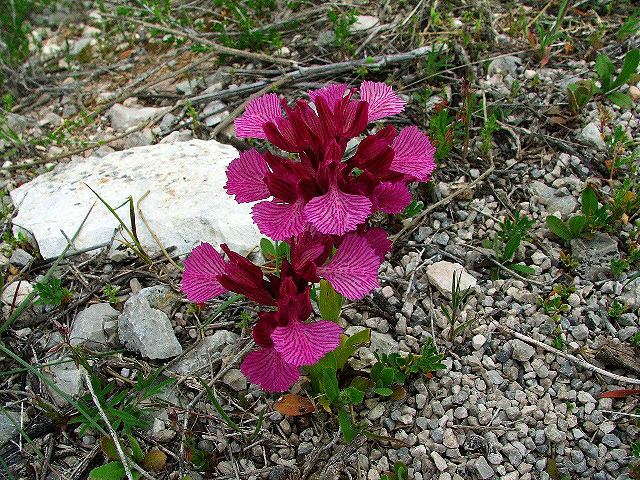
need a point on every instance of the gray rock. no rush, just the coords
(147, 330)
(610, 440)
(16, 292)
(66, 377)
(626, 333)
(591, 134)
(187, 203)
(440, 462)
(580, 332)
(594, 255)
(440, 274)
(20, 258)
(507, 64)
(556, 200)
(235, 379)
(522, 351)
(123, 118)
(88, 327)
(478, 341)
(198, 357)
(8, 425)
(483, 468)
(553, 434)
(364, 22)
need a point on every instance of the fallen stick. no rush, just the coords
(568, 356)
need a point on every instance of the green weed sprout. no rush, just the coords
(153, 460)
(458, 301)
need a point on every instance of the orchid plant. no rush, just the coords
(317, 199)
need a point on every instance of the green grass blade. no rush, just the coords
(218, 407)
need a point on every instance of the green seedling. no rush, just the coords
(275, 252)
(630, 27)
(548, 35)
(52, 293)
(616, 309)
(593, 218)
(635, 340)
(458, 301)
(341, 28)
(507, 241)
(444, 132)
(400, 472)
(153, 460)
(124, 408)
(581, 92)
(111, 292)
(395, 369)
(411, 210)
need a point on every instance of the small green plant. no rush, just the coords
(458, 301)
(556, 304)
(153, 460)
(111, 292)
(592, 219)
(52, 293)
(548, 35)
(437, 60)
(635, 340)
(445, 131)
(400, 472)
(123, 408)
(630, 27)
(395, 369)
(581, 92)
(275, 252)
(488, 129)
(341, 23)
(411, 210)
(616, 309)
(570, 406)
(507, 241)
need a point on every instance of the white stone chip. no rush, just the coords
(440, 274)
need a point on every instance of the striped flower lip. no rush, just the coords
(322, 187)
(286, 338)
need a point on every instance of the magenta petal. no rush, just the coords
(280, 221)
(381, 99)
(201, 269)
(331, 93)
(391, 197)
(337, 212)
(413, 154)
(268, 369)
(378, 240)
(353, 270)
(258, 112)
(245, 177)
(306, 343)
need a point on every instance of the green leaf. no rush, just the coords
(351, 345)
(631, 61)
(385, 392)
(352, 395)
(345, 424)
(521, 268)
(362, 383)
(402, 470)
(108, 471)
(109, 448)
(621, 99)
(284, 250)
(138, 455)
(330, 384)
(589, 203)
(576, 223)
(268, 249)
(386, 377)
(329, 302)
(558, 227)
(605, 70)
(510, 248)
(486, 243)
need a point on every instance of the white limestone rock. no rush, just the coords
(187, 203)
(89, 327)
(123, 118)
(145, 329)
(440, 274)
